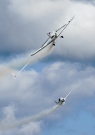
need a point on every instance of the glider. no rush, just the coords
(52, 36)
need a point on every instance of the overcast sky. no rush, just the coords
(24, 25)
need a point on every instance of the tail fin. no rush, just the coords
(56, 102)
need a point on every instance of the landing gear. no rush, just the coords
(61, 37)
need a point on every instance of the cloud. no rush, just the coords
(24, 28)
(25, 9)
(86, 1)
(34, 128)
(33, 92)
(5, 71)
(46, 86)
(9, 120)
(22, 61)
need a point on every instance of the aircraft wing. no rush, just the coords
(42, 47)
(45, 42)
(64, 27)
(39, 50)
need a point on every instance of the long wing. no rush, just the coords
(42, 47)
(45, 42)
(64, 26)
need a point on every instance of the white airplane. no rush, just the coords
(52, 36)
(62, 100)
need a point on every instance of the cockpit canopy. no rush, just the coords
(52, 34)
(61, 99)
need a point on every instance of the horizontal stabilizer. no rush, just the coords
(56, 102)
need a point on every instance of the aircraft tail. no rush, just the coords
(56, 102)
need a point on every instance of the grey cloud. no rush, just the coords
(29, 28)
(9, 119)
(85, 1)
(18, 32)
(23, 30)
(34, 92)
(53, 82)
(32, 88)
(14, 34)
(79, 36)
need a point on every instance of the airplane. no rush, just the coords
(52, 36)
(62, 100)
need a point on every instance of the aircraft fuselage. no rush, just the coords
(60, 101)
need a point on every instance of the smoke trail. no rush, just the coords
(11, 66)
(39, 116)
(36, 57)
(4, 71)
(11, 122)
(23, 59)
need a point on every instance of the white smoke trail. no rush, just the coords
(23, 59)
(4, 71)
(39, 116)
(36, 57)
(20, 60)
(11, 122)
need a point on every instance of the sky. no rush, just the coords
(70, 64)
